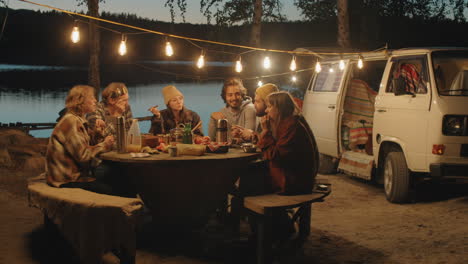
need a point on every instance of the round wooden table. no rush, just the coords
(181, 191)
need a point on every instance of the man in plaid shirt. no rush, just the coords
(114, 104)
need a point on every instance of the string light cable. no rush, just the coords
(304, 53)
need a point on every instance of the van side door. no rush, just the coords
(322, 106)
(402, 107)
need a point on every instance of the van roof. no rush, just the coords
(338, 53)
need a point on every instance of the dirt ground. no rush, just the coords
(354, 225)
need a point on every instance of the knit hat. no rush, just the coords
(169, 92)
(266, 89)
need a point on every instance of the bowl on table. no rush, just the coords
(249, 147)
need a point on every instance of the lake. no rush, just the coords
(43, 105)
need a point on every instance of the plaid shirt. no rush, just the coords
(69, 155)
(110, 129)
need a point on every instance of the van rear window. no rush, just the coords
(328, 79)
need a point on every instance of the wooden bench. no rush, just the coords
(93, 223)
(263, 207)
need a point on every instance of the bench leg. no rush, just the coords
(304, 221)
(264, 238)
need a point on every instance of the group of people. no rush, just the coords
(272, 121)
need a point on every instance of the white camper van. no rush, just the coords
(404, 114)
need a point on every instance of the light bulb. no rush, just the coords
(360, 64)
(169, 50)
(292, 66)
(293, 78)
(75, 35)
(122, 48)
(267, 63)
(201, 61)
(260, 83)
(318, 68)
(342, 65)
(331, 70)
(238, 66)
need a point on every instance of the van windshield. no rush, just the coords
(451, 72)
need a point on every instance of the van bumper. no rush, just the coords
(439, 170)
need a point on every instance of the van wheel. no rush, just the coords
(328, 165)
(396, 178)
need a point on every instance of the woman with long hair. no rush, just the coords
(289, 146)
(70, 157)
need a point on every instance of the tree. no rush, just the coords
(343, 24)
(230, 12)
(94, 78)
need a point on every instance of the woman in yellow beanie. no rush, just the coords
(175, 113)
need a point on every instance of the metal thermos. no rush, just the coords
(121, 135)
(221, 130)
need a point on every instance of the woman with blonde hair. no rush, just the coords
(114, 104)
(69, 155)
(289, 146)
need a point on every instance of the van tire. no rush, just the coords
(328, 164)
(396, 177)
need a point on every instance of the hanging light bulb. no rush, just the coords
(169, 50)
(75, 35)
(266, 63)
(260, 83)
(238, 65)
(331, 70)
(360, 64)
(201, 60)
(292, 66)
(123, 46)
(294, 78)
(318, 67)
(342, 64)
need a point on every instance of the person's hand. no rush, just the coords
(155, 111)
(236, 131)
(217, 115)
(109, 141)
(247, 134)
(265, 123)
(100, 124)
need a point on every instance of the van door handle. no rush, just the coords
(381, 110)
(331, 106)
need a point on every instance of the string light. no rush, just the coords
(292, 66)
(238, 65)
(169, 50)
(75, 35)
(123, 46)
(266, 63)
(331, 70)
(201, 60)
(360, 64)
(342, 64)
(260, 83)
(294, 78)
(318, 67)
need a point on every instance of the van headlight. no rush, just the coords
(454, 125)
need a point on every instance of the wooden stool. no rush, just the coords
(264, 206)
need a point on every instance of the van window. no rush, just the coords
(451, 72)
(328, 79)
(409, 75)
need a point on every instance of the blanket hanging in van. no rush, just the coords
(359, 102)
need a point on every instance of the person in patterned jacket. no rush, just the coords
(69, 155)
(102, 122)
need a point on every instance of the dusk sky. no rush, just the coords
(153, 9)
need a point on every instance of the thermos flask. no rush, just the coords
(221, 130)
(121, 135)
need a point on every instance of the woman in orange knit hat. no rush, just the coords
(175, 113)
